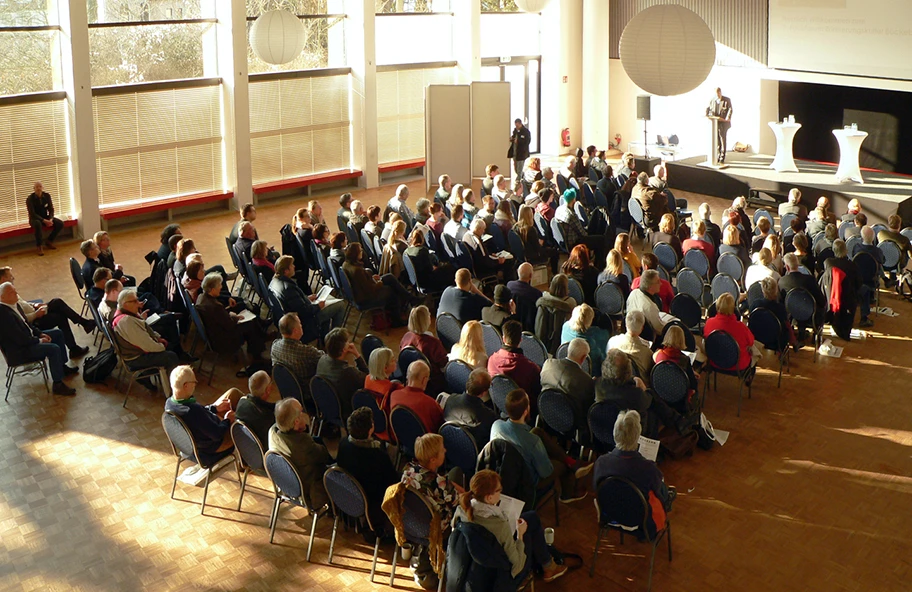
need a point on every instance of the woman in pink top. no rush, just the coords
(420, 337)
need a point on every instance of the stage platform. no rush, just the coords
(881, 195)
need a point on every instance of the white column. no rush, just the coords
(467, 31)
(595, 70)
(77, 82)
(361, 50)
(562, 72)
(231, 37)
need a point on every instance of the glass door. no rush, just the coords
(523, 74)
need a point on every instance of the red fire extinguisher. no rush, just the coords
(565, 136)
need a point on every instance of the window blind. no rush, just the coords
(160, 144)
(33, 147)
(400, 111)
(299, 126)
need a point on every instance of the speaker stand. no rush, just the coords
(645, 140)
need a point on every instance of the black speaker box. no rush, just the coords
(644, 107)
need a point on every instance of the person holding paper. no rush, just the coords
(315, 316)
(520, 533)
(485, 263)
(227, 331)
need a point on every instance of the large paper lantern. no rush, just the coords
(277, 37)
(532, 5)
(667, 50)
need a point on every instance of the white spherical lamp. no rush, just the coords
(667, 50)
(532, 5)
(277, 36)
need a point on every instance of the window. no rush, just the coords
(498, 40)
(158, 144)
(406, 39)
(33, 147)
(400, 111)
(299, 126)
(499, 6)
(325, 42)
(30, 57)
(401, 6)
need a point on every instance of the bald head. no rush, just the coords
(418, 374)
(525, 272)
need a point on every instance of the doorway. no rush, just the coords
(524, 75)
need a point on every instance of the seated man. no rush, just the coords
(247, 235)
(257, 409)
(41, 217)
(642, 300)
(210, 425)
(548, 462)
(299, 357)
(893, 234)
(91, 252)
(485, 262)
(455, 227)
(794, 278)
(358, 216)
(140, 345)
(289, 436)
(225, 330)
(525, 296)
(859, 221)
(574, 232)
(469, 409)
(336, 367)
(95, 293)
(653, 201)
(867, 246)
(23, 343)
(509, 360)
(464, 300)
(568, 376)
(633, 345)
(412, 395)
(713, 231)
(398, 204)
(844, 302)
(343, 215)
(626, 461)
(666, 292)
(793, 205)
(248, 214)
(503, 309)
(315, 315)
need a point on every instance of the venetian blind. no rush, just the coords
(400, 111)
(160, 144)
(299, 126)
(33, 147)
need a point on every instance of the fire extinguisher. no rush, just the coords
(565, 136)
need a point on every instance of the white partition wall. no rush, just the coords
(448, 111)
(491, 125)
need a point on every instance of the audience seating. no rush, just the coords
(365, 398)
(407, 355)
(686, 308)
(347, 497)
(601, 418)
(457, 375)
(417, 513)
(492, 340)
(666, 255)
(802, 308)
(730, 264)
(448, 330)
(288, 489)
(562, 353)
(250, 454)
(152, 372)
(76, 272)
(870, 273)
(407, 427)
(722, 352)
(554, 410)
(533, 348)
(326, 401)
(722, 283)
(767, 330)
(696, 261)
(501, 385)
(609, 299)
(669, 381)
(461, 449)
(575, 290)
(23, 369)
(891, 253)
(369, 307)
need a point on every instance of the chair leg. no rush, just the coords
(598, 542)
(651, 565)
(275, 518)
(740, 393)
(243, 486)
(313, 534)
(205, 492)
(358, 325)
(668, 535)
(442, 576)
(393, 565)
(332, 541)
(176, 472)
(556, 509)
(374, 562)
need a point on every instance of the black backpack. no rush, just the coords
(98, 367)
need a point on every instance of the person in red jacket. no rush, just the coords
(420, 337)
(510, 360)
(725, 320)
(414, 397)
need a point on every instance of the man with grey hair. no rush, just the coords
(867, 245)
(227, 331)
(257, 409)
(299, 357)
(713, 232)
(793, 205)
(644, 299)
(398, 204)
(633, 345)
(625, 461)
(414, 397)
(568, 376)
(357, 217)
(838, 270)
(140, 346)
(485, 262)
(795, 278)
(289, 436)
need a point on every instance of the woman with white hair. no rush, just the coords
(624, 461)
(580, 326)
(381, 366)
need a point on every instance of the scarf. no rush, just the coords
(483, 510)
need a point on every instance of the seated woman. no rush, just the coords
(614, 272)
(503, 218)
(622, 245)
(374, 223)
(432, 275)
(381, 365)
(106, 258)
(725, 320)
(455, 198)
(559, 305)
(321, 238)
(391, 260)
(536, 252)
(625, 461)
(261, 264)
(762, 268)
(193, 277)
(165, 249)
(580, 325)
(666, 291)
(579, 267)
(420, 337)
(368, 288)
(546, 207)
(471, 348)
(226, 331)
(423, 474)
(772, 303)
(672, 350)
(666, 234)
(337, 244)
(731, 243)
(774, 244)
(316, 212)
(501, 191)
(469, 207)
(806, 258)
(531, 170)
(528, 550)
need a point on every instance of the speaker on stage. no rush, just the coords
(644, 107)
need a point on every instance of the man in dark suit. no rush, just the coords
(315, 316)
(248, 214)
(468, 408)
(568, 376)
(337, 369)
(520, 140)
(226, 331)
(795, 279)
(464, 300)
(41, 215)
(721, 106)
(525, 295)
(23, 343)
(245, 239)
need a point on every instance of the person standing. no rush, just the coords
(519, 146)
(41, 215)
(721, 106)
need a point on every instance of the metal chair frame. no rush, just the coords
(281, 498)
(354, 512)
(713, 371)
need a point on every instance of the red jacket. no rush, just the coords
(666, 292)
(738, 331)
(524, 372)
(424, 406)
(708, 249)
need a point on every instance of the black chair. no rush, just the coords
(691, 283)
(369, 344)
(666, 255)
(696, 260)
(288, 489)
(690, 343)
(449, 330)
(365, 398)
(203, 336)
(249, 454)
(407, 355)
(367, 307)
(326, 402)
(555, 410)
(183, 446)
(670, 382)
(765, 214)
(891, 253)
(802, 307)
(417, 513)
(870, 273)
(558, 233)
(457, 375)
(601, 419)
(686, 308)
(636, 211)
(492, 339)
(723, 283)
(619, 504)
(754, 293)
(730, 263)
(533, 348)
(347, 497)
(76, 272)
(159, 372)
(575, 290)
(722, 351)
(852, 244)
(785, 222)
(501, 385)
(768, 330)
(407, 427)
(609, 299)
(461, 448)
(234, 261)
(287, 383)
(24, 369)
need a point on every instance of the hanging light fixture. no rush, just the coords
(277, 37)
(534, 6)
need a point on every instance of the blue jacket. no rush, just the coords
(293, 299)
(476, 562)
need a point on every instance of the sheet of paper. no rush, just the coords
(721, 436)
(513, 508)
(828, 349)
(505, 254)
(692, 355)
(887, 311)
(324, 293)
(649, 448)
(152, 318)
(246, 315)
(856, 334)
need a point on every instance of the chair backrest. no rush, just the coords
(562, 350)
(501, 385)
(180, 438)
(515, 245)
(764, 214)
(621, 503)
(669, 381)
(556, 411)
(417, 513)
(232, 253)
(284, 476)
(846, 224)
(492, 339)
(730, 263)
(367, 242)
(410, 354)
(868, 267)
(369, 343)
(575, 290)
(76, 272)
(628, 271)
(636, 210)
(366, 398)
(407, 427)
(329, 409)
(378, 248)
(601, 200)
(800, 305)
(351, 233)
(609, 299)
(457, 375)
(557, 232)
(198, 323)
(542, 226)
(852, 245)
(463, 259)
(533, 348)
(906, 232)
(722, 283)
(461, 448)
(589, 192)
(287, 383)
(248, 445)
(786, 222)
(722, 350)
(685, 307)
(696, 260)
(561, 182)
(891, 254)
(817, 239)
(666, 255)
(877, 228)
(766, 328)
(691, 283)
(754, 293)
(410, 271)
(275, 307)
(601, 418)
(346, 494)
(663, 274)
(580, 212)
(448, 330)
(345, 286)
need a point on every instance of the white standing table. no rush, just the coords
(850, 141)
(785, 135)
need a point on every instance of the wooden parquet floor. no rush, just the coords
(811, 492)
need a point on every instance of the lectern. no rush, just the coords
(712, 160)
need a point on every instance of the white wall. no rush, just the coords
(595, 71)
(562, 50)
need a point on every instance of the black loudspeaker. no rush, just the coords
(644, 107)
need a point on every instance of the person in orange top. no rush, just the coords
(414, 397)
